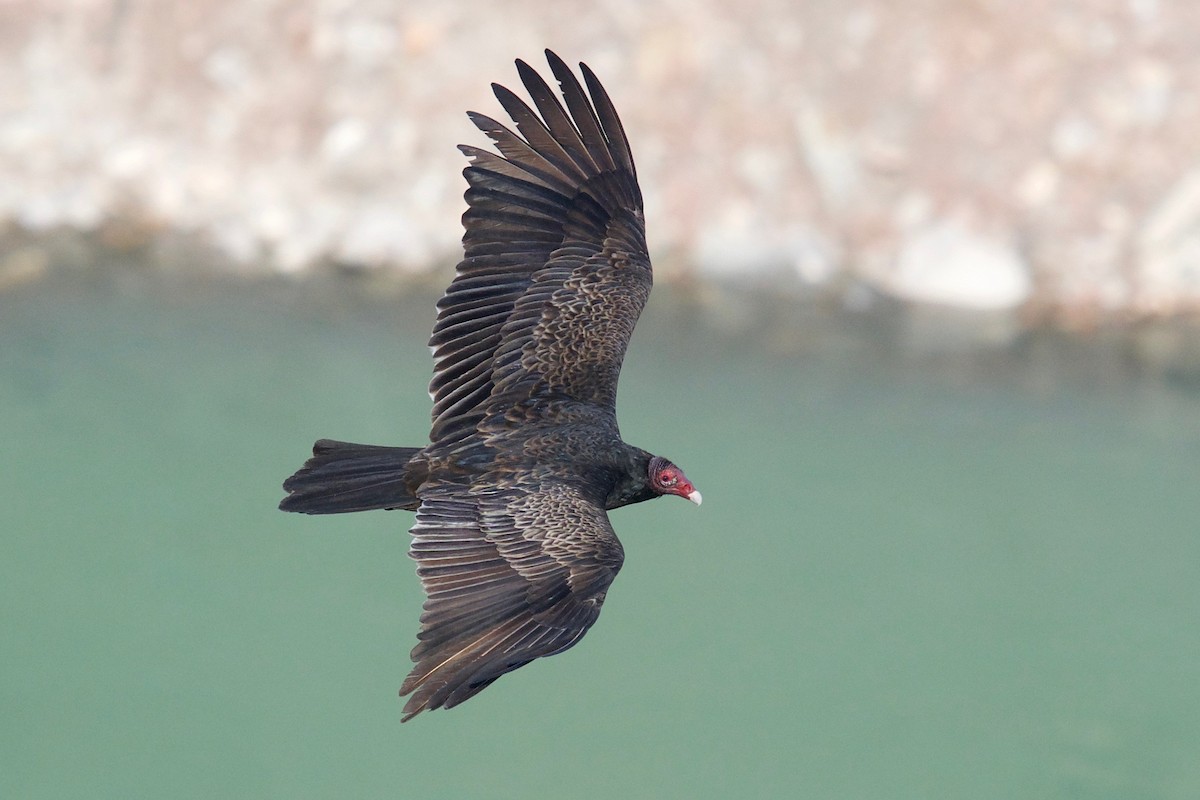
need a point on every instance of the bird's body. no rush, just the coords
(512, 540)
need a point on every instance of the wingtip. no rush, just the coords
(411, 708)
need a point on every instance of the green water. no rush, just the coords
(905, 581)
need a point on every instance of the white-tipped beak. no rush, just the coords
(695, 497)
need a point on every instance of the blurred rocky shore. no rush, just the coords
(1018, 163)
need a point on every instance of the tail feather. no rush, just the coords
(342, 477)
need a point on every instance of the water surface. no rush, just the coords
(906, 581)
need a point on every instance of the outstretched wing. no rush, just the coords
(555, 271)
(511, 574)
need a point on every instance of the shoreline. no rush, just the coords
(777, 316)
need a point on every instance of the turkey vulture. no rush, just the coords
(512, 540)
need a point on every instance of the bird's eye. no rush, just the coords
(667, 477)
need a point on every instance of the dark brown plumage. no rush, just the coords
(512, 540)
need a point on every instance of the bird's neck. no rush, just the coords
(632, 484)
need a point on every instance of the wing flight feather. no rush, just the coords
(554, 264)
(511, 574)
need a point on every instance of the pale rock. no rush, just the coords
(1169, 248)
(274, 222)
(829, 155)
(228, 68)
(127, 161)
(949, 264)
(378, 235)
(367, 43)
(235, 239)
(1146, 12)
(761, 168)
(1153, 91)
(84, 205)
(735, 246)
(312, 236)
(39, 213)
(729, 251)
(344, 139)
(1038, 185)
(1073, 137)
(816, 259)
(913, 210)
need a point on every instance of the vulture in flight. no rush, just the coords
(512, 539)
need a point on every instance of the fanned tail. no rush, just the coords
(342, 477)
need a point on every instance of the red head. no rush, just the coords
(666, 478)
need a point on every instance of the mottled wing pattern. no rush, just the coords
(569, 333)
(511, 574)
(555, 270)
